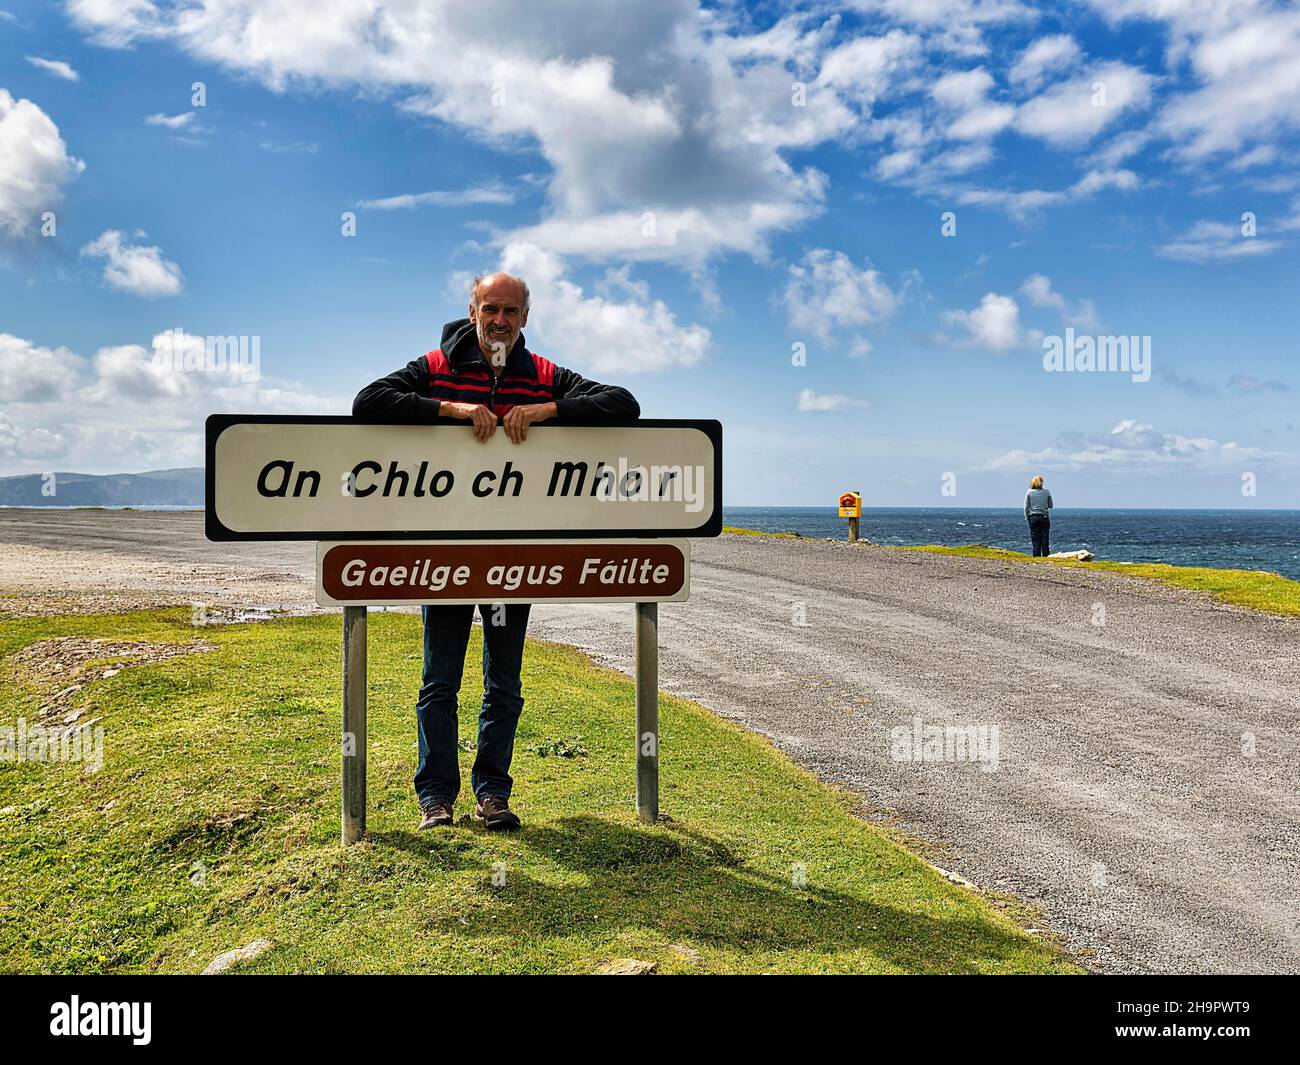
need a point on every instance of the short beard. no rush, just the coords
(489, 343)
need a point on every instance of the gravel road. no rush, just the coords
(1140, 789)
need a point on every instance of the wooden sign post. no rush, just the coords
(354, 723)
(425, 514)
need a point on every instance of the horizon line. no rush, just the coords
(949, 506)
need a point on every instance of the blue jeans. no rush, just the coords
(446, 635)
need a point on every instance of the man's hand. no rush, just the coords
(518, 419)
(482, 419)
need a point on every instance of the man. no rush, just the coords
(480, 375)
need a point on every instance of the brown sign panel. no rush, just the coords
(502, 571)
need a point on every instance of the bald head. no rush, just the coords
(498, 307)
(493, 282)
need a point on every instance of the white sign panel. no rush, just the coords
(303, 478)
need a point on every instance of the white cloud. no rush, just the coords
(1291, 221)
(659, 108)
(29, 373)
(27, 443)
(985, 120)
(1133, 447)
(1120, 147)
(1243, 57)
(692, 235)
(600, 334)
(950, 25)
(931, 13)
(964, 94)
(1037, 288)
(1095, 181)
(129, 407)
(479, 194)
(962, 89)
(820, 402)
(992, 326)
(57, 67)
(668, 130)
(828, 296)
(1208, 241)
(967, 157)
(865, 67)
(1026, 202)
(1260, 155)
(116, 23)
(181, 121)
(134, 268)
(897, 164)
(1069, 113)
(1045, 59)
(34, 165)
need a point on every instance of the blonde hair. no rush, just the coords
(1037, 482)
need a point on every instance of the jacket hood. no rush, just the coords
(454, 332)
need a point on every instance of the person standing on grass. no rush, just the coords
(484, 376)
(1038, 501)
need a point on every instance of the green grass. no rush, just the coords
(215, 821)
(1256, 589)
(737, 530)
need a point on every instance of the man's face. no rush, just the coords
(498, 315)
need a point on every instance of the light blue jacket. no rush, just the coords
(1037, 501)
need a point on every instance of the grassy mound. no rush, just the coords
(215, 821)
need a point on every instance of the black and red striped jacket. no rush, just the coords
(457, 371)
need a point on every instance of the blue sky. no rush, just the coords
(690, 190)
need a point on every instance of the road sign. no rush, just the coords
(331, 478)
(390, 573)
(463, 521)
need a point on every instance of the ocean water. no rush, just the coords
(1227, 539)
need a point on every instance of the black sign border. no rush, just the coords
(216, 531)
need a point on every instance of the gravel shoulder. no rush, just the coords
(1145, 791)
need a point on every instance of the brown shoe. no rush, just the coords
(435, 815)
(494, 811)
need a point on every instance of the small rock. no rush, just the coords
(626, 967)
(1076, 556)
(954, 878)
(685, 953)
(222, 962)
